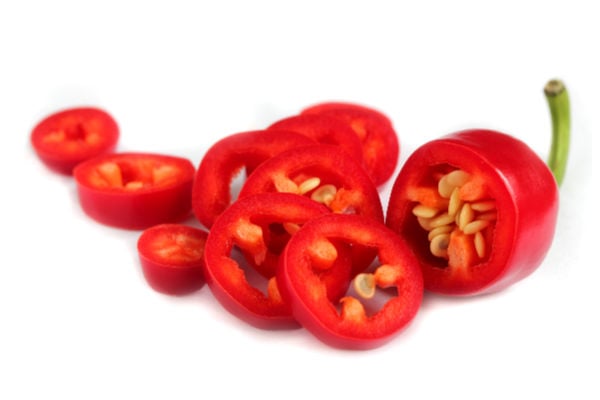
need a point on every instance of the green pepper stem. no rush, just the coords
(558, 101)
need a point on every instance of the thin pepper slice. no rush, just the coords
(323, 129)
(350, 323)
(245, 226)
(380, 143)
(211, 192)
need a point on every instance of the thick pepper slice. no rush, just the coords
(211, 192)
(66, 138)
(382, 302)
(172, 258)
(246, 226)
(380, 144)
(478, 208)
(327, 175)
(135, 190)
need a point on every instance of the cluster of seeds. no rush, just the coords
(323, 194)
(111, 174)
(470, 216)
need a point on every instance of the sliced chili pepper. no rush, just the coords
(244, 226)
(380, 144)
(327, 175)
(323, 129)
(211, 192)
(172, 257)
(354, 322)
(64, 139)
(135, 190)
(479, 209)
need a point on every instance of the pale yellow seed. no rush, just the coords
(324, 194)
(452, 180)
(488, 216)
(465, 216)
(425, 223)
(475, 226)
(479, 242)
(441, 220)
(439, 230)
(284, 184)
(364, 285)
(455, 202)
(424, 211)
(309, 184)
(439, 245)
(483, 206)
(291, 227)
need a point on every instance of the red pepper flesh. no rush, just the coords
(211, 193)
(323, 129)
(380, 144)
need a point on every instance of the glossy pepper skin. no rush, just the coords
(520, 184)
(135, 190)
(172, 258)
(323, 129)
(380, 143)
(246, 226)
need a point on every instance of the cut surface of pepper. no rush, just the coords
(352, 322)
(254, 225)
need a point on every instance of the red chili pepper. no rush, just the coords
(380, 143)
(135, 190)
(327, 175)
(172, 258)
(324, 129)
(479, 209)
(245, 226)
(211, 193)
(64, 139)
(362, 322)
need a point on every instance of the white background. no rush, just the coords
(78, 321)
